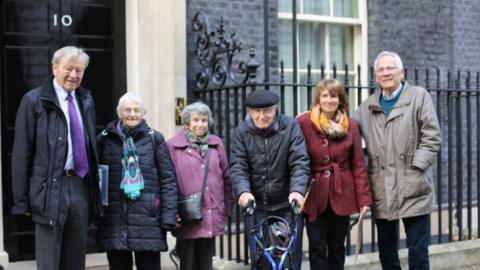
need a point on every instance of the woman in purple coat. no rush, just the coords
(188, 148)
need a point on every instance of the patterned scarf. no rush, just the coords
(132, 179)
(200, 144)
(335, 128)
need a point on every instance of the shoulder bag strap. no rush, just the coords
(154, 146)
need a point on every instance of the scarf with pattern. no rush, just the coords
(200, 144)
(132, 178)
(335, 128)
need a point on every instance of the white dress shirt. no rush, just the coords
(62, 99)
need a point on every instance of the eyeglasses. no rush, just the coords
(388, 69)
(255, 112)
(131, 110)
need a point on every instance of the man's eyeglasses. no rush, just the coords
(388, 69)
(131, 110)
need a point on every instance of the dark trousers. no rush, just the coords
(418, 233)
(123, 260)
(285, 213)
(64, 247)
(326, 238)
(195, 254)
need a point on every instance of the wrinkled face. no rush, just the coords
(69, 72)
(328, 103)
(387, 74)
(131, 114)
(263, 117)
(198, 124)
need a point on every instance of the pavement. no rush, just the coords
(464, 255)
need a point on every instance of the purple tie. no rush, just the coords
(78, 141)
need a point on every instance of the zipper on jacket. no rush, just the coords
(51, 177)
(64, 118)
(59, 182)
(267, 186)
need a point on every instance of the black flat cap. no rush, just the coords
(261, 99)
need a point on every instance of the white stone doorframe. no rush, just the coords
(156, 57)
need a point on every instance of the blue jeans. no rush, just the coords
(285, 213)
(418, 232)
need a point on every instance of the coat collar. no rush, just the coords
(403, 100)
(47, 93)
(180, 140)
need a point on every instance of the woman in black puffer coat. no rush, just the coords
(138, 212)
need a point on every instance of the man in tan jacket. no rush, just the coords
(401, 131)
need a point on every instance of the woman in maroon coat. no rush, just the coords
(340, 183)
(188, 151)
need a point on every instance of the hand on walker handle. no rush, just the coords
(245, 199)
(296, 196)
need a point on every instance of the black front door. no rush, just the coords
(31, 31)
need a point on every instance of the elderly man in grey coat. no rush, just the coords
(402, 134)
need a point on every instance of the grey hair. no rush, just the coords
(70, 51)
(196, 107)
(130, 96)
(398, 60)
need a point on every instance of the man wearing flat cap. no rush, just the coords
(269, 163)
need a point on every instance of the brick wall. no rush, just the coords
(466, 35)
(419, 31)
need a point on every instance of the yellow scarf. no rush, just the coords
(332, 129)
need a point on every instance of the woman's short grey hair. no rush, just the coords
(68, 52)
(130, 96)
(398, 60)
(196, 107)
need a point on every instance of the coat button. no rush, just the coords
(325, 142)
(326, 159)
(264, 177)
(202, 166)
(60, 138)
(54, 180)
(327, 173)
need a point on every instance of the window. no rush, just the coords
(329, 32)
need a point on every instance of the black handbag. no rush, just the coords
(190, 207)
